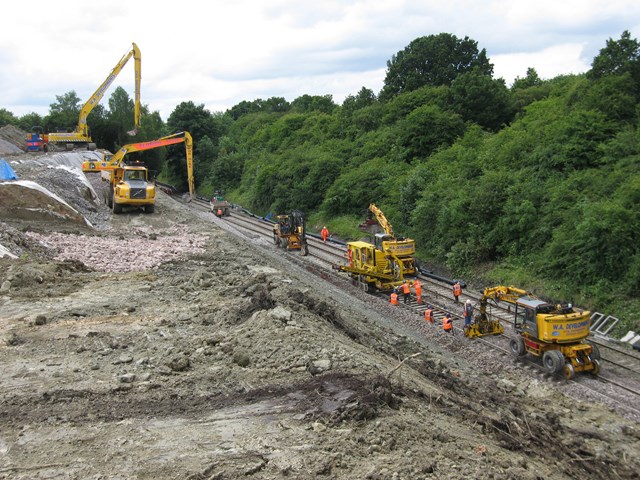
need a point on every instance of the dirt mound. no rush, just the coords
(27, 201)
(12, 140)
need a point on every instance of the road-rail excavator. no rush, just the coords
(80, 136)
(384, 263)
(289, 232)
(555, 333)
(130, 184)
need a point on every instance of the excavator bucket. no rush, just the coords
(483, 327)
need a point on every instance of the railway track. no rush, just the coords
(624, 376)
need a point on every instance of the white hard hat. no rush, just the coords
(469, 301)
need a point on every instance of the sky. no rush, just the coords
(218, 53)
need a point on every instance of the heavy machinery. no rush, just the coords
(219, 206)
(384, 263)
(130, 183)
(555, 333)
(80, 136)
(289, 232)
(35, 140)
(483, 324)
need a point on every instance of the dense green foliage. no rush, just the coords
(536, 185)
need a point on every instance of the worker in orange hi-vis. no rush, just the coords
(406, 291)
(447, 324)
(418, 290)
(428, 314)
(457, 290)
(394, 298)
(324, 233)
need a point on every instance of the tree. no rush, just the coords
(121, 109)
(63, 113)
(26, 122)
(199, 122)
(7, 118)
(433, 60)
(364, 98)
(531, 80)
(618, 57)
(481, 99)
(272, 104)
(310, 103)
(428, 128)
(193, 118)
(151, 128)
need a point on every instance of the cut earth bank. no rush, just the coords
(164, 346)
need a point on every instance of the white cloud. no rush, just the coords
(220, 53)
(548, 63)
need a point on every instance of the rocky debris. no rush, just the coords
(7, 148)
(139, 250)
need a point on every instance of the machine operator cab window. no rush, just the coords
(525, 316)
(382, 237)
(135, 175)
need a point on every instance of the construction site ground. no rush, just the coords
(163, 346)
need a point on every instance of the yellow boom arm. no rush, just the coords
(504, 294)
(382, 220)
(112, 162)
(81, 133)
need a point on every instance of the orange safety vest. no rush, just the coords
(418, 289)
(447, 324)
(457, 289)
(350, 255)
(394, 298)
(324, 232)
(428, 315)
(406, 288)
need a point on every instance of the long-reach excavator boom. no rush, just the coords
(113, 161)
(81, 134)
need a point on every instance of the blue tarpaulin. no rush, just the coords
(6, 172)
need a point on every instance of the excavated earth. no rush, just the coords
(162, 346)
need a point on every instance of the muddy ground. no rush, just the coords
(167, 348)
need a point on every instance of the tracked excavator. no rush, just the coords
(289, 232)
(80, 136)
(130, 184)
(555, 333)
(383, 264)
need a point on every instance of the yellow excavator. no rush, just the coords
(130, 184)
(554, 332)
(80, 136)
(384, 263)
(289, 232)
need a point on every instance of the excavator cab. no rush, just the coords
(525, 315)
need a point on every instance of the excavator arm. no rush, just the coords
(111, 162)
(90, 104)
(382, 220)
(81, 133)
(504, 294)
